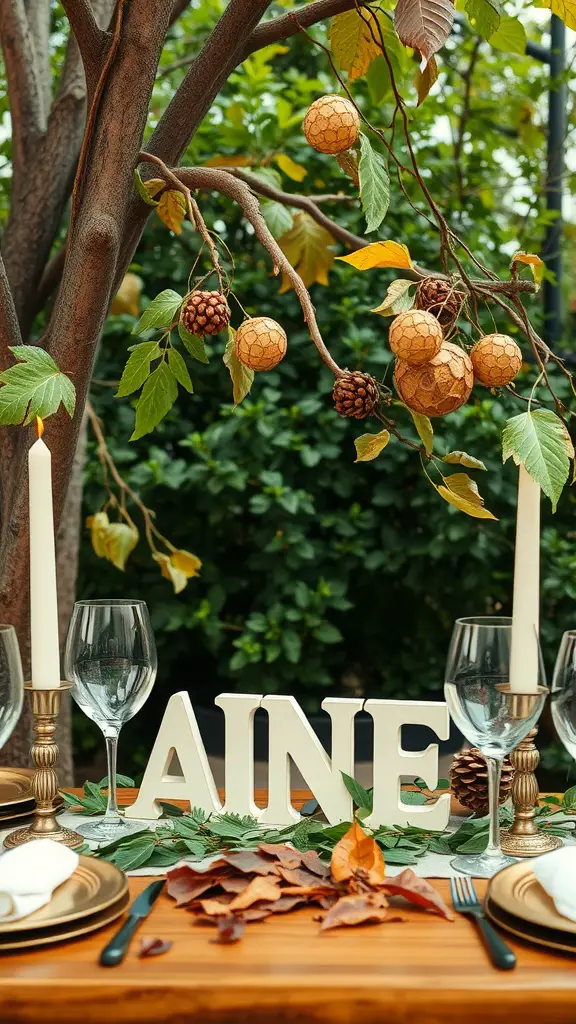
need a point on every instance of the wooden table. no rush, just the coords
(425, 971)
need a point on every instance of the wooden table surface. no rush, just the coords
(425, 970)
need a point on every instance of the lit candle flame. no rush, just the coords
(39, 426)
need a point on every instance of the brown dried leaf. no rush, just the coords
(355, 851)
(259, 889)
(230, 929)
(217, 905)
(301, 877)
(154, 947)
(312, 861)
(286, 856)
(371, 907)
(424, 24)
(235, 884)
(284, 904)
(251, 863)
(185, 884)
(419, 891)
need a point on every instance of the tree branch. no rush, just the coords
(240, 193)
(90, 38)
(289, 24)
(38, 16)
(25, 94)
(9, 328)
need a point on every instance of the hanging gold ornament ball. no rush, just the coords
(439, 386)
(415, 337)
(331, 124)
(260, 343)
(496, 359)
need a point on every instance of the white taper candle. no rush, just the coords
(45, 648)
(524, 656)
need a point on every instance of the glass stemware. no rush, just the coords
(110, 656)
(11, 682)
(478, 698)
(563, 696)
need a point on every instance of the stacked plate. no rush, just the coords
(16, 798)
(517, 902)
(95, 895)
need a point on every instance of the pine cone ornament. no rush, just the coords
(205, 313)
(355, 394)
(469, 780)
(331, 124)
(496, 359)
(441, 299)
(439, 386)
(260, 343)
(415, 337)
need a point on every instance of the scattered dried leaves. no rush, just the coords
(250, 885)
(153, 947)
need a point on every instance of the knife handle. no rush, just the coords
(115, 951)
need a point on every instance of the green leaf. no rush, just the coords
(569, 798)
(34, 386)
(510, 36)
(378, 79)
(462, 492)
(160, 313)
(120, 541)
(396, 856)
(292, 645)
(369, 446)
(409, 797)
(477, 844)
(540, 440)
(326, 633)
(361, 797)
(135, 854)
(122, 782)
(179, 369)
(463, 459)
(193, 343)
(397, 298)
(142, 190)
(242, 376)
(137, 368)
(278, 217)
(157, 398)
(374, 184)
(484, 16)
(424, 429)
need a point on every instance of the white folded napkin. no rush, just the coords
(30, 873)
(556, 873)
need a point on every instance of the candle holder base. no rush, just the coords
(45, 706)
(524, 838)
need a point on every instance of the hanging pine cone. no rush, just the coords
(355, 394)
(205, 313)
(469, 780)
(441, 298)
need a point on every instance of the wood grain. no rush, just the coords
(425, 971)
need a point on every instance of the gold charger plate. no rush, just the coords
(15, 786)
(516, 890)
(94, 886)
(548, 937)
(26, 939)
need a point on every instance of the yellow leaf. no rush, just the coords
(98, 525)
(128, 296)
(379, 254)
(425, 80)
(120, 540)
(295, 171)
(178, 579)
(185, 562)
(154, 185)
(462, 492)
(537, 266)
(565, 9)
(369, 446)
(425, 430)
(308, 248)
(172, 209)
(352, 42)
(232, 160)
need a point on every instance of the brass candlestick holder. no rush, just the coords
(524, 838)
(45, 706)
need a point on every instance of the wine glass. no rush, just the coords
(479, 701)
(11, 682)
(563, 695)
(110, 656)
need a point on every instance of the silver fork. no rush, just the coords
(466, 901)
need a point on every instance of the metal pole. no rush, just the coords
(552, 251)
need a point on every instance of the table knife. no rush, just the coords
(116, 949)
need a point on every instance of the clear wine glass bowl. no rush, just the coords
(481, 705)
(110, 657)
(563, 695)
(11, 682)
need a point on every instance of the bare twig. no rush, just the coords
(90, 38)
(464, 115)
(290, 24)
(25, 92)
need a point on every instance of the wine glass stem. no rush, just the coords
(494, 770)
(111, 751)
